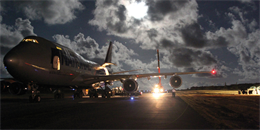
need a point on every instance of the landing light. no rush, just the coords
(161, 90)
(156, 90)
(157, 95)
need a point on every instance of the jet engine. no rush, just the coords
(130, 85)
(175, 81)
(17, 88)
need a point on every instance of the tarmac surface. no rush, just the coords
(147, 111)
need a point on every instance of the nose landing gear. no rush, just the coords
(35, 97)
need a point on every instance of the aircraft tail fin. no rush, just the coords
(109, 53)
(107, 60)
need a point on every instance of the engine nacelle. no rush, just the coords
(17, 88)
(130, 85)
(4, 86)
(175, 81)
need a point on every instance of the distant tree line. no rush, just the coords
(226, 87)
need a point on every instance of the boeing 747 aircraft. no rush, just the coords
(37, 62)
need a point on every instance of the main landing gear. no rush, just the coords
(58, 94)
(34, 97)
(77, 94)
(105, 93)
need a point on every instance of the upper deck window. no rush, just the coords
(30, 40)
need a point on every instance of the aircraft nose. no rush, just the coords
(11, 60)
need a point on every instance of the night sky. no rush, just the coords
(191, 35)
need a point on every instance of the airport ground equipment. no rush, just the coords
(251, 90)
(105, 93)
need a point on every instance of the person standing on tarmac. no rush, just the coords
(173, 92)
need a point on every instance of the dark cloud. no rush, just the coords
(51, 11)
(1, 8)
(165, 43)
(25, 27)
(87, 47)
(220, 42)
(245, 57)
(121, 13)
(193, 36)
(85, 42)
(118, 26)
(246, 1)
(12, 35)
(158, 9)
(191, 60)
(136, 22)
(4, 50)
(181, 57)
(6, 41)
(107, 3)
(152, 33)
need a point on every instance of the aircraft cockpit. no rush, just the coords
(30, 40)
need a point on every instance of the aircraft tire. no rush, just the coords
(76, 95)
(103, 95)
(81, 95)
(57, 96)
(108, 96)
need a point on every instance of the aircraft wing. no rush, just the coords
(125, 71)
(166, 74)
(94, 79)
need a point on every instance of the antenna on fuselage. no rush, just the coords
(159, 69)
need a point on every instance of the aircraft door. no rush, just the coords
(56, 63)
(55, 60)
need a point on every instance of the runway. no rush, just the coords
(144, 112)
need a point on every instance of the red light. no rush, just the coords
(27, 63)
(213, 71)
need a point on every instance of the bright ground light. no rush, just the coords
(137, 9)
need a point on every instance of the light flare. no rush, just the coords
(137, 10)
(157, 95)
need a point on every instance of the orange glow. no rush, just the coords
(27, 63)
(157, 95)
(156, 90)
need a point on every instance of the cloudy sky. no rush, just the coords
(191, 35)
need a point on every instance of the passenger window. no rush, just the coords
(56, 63)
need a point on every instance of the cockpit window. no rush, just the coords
(30, 40)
